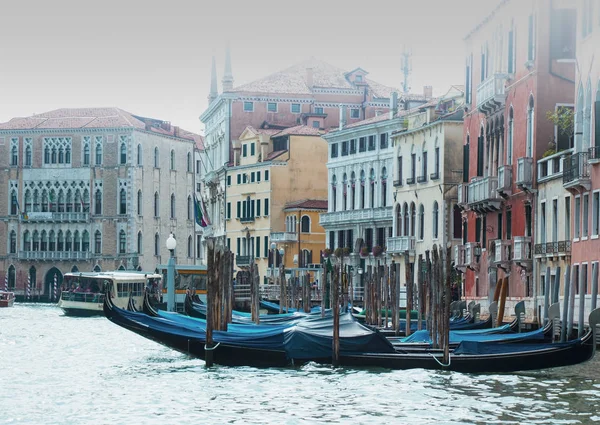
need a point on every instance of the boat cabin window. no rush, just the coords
(83, 284)
(136, 289)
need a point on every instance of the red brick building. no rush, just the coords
(517, 69)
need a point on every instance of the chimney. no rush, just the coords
(148, 125)
(342, 116)
(309, 77)
(166, 125)
(428, 92)
(393, 104)
(175, 131)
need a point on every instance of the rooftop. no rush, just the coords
(307, 204)
(300, 130)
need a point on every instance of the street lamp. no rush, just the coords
(171, 245)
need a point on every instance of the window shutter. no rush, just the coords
(466, 163)
(480, 156)
(239, 206)
(258, 207)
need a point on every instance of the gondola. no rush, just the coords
(131, 303)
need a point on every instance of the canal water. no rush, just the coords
(62, 370)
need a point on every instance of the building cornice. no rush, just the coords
(425, 127)
(335, 136)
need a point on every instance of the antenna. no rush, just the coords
(406, 65)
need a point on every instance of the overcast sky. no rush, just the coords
(153, 57)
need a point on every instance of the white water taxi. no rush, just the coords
(84, 293)
(7, 299)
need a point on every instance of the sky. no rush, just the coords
(153, 58)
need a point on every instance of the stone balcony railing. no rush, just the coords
(281, 237)
(552, 166)
(242, 260)
(65, 217)
(525, 172)
(54, 255)
(400, 244)
(505, 180)
(382, 213)
(490, 93)
(483, 195)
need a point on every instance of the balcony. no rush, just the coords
(490, 94)
(472, 254)
(57, 217)
(594, 154)
(576, 172)
(247, 219)
(54, 255)
(483, 196)
(551, 167)
(505, 181)
(502, 252)
(398, 183)
(459, 257)
(525, 173)
(242, 260)
(435, 176)
(283, 237)
(400, 244)
(410, 180)
(344, 218)
(522, 251)
(552, 249)
(462, 195)
(422, 179)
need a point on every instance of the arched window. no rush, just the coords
(362, 189)
(12, 277)
(156, 244)
(98, 153)
(345, 192)
(172, 159)
(372, 189)
(28, 156)
(123, 156)
(13, 203)
(398, 216)
(61, 201)
(190, 247)
(46, 155)
(306, 258)
(13, 242)
(190, 212)
(406, 221)
(384, 187)
(122, 242)
(33, 277)
(68, 241)
(85, 241)
(68, 202)
(86, 154)
(26, 241)
(61, 155)
(421, 222)
(85, 200)
(14, 156)
(121, 267)
(60, 241)
(353, 191)
(68, 155)
(97, 268)
(435, 220)
(44, 201)
(413, 219)
(76, 241)
(51, 241)
(123, 202)
(172, 205)
(97, 242)
(333, 193)
(139, 242)
(98, 203)
(530, 126)
(44, 241)
(305, 224)
(139, 154)
(156, 157)
(189, 162)
(52, 199)
(28, 201)
(139, 202)
(156, 211)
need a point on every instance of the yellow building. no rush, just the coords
(272, 169)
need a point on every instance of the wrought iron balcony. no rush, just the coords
(282, 237)
(400, 244)
(54, 255)
(242, 260)
(576, 171)
(490, 94)
(525, 172)
(483, 196)
(552, 248)
(64, 217)
(505, 180)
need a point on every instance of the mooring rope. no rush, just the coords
(213, 348)
(440, 363)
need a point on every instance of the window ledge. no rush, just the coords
(575, 240)
(594, 237)
(585, 238)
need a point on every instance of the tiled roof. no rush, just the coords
(300, 130)
(307, 204)
(266, 131)
(274, 155)
(292, 80)
(82, 118)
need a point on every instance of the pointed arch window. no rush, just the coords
(98, 203)
(47, 155)
(190, 212)
(156, 244)
(190, 247)
(413, 219)
(123, 201)
(27, 241)
(61, 155)
(98, 153)
(68, 155)
(139, 242)
(123, 154)
(172, 205)
(13, 203)
(12, 277)
(44, 241)
(36, 241)
(353, 191)
(139, 154)
(28, 156)
(86, 154)
(122, 241)
(13, 242)
(362, 189)
(398, 216)
(345, 192)
(76, 241)
(421, 222)
(406, 221)
(139, 202)
(14, 156)
(156, 211)
(68, 241)
(85, 241)
(97, 268)
(61, 201)
(51, 241)
(69, 201)
(372, 189)
(97, 242)
(334, 193)
(384, 187)
(60, 241)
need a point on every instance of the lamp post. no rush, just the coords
(171, 245)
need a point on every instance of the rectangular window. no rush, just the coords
(228, 210)
(413, 166)
(248, 107)
(295, 108)
(239, 209)
(258, 176)
(352, 146)
(258, 207)
(272, 107)
(567, 218)
(500, 225)
(266, 175)
(354, 113)
(244, 178)
(319, 110)
(509, 225)
(586, 215)
(424, 165)
(577, 217)
(362, 144)
(344, 148)
(555, 220)
(477, 230)
(252, 149)
(383, 141)
(371, 143)
(252, 177)
(334, 150)
(595, 210)
(266, 206)
(238, 246)
(400, 178)
(266, 247)
(480, 156)
(244, 150)
(228, 244)
(197, 166)
(239, 179)
(228, 180)
(543, 222)
(437, 162)
(466, 162)
(257, 250)
(531, 38)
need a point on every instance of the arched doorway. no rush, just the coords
(51, 275)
